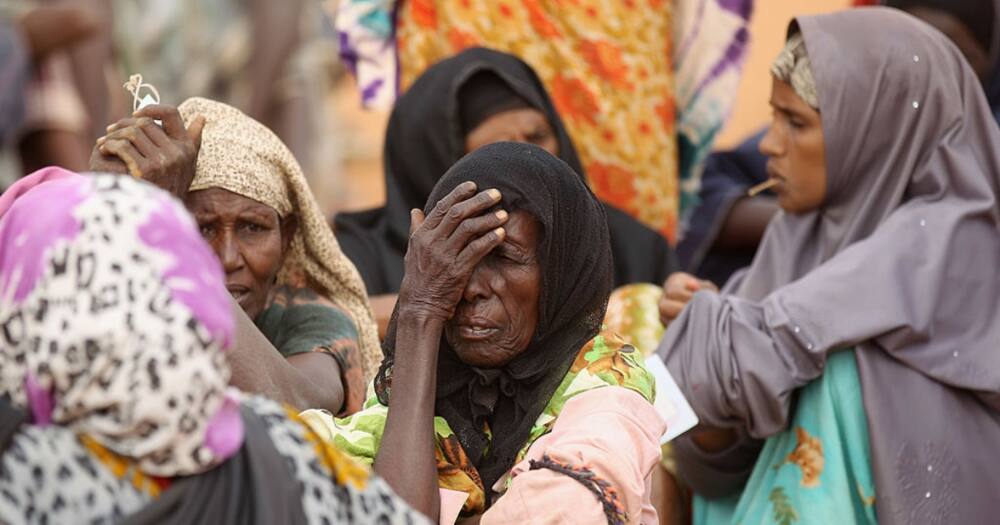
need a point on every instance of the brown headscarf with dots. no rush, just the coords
(243, 156)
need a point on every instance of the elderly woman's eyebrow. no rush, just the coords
(259, 212)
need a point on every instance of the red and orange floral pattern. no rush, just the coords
(607, 67)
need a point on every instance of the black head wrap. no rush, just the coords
(484, 95)
(574, 253)
(425, 137)
(977, 15)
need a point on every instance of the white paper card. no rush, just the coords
(147, 100)
(670, 402)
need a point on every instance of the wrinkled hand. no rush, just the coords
(679, 288)
(165, 156)
(445, 248)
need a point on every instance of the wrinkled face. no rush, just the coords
(498, 314)
(515, 125)
(958, 33)
(249, 239)
(795, 150)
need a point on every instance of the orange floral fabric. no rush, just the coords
(607, 66)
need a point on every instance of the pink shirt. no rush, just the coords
(612, 431)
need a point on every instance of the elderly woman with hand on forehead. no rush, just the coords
(306, 335)
(851, 374)
(499, 400)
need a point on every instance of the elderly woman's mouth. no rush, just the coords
(475, 333)
(239, 293)
(474, 328)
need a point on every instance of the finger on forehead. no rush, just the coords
(476, 205)
(462, 191)
(476, 224)
(479, 247)
(173, 124)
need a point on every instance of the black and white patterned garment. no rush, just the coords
(335, 488)
(113, 382)
(113, 321)
(47, 475)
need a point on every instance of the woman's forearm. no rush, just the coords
(258, 367)
(406, 458)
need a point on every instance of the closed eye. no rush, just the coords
(509, 253)
(538, 136)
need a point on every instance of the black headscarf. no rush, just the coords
(977, 15)
(575, 257)
(425, 138)
(483, 95)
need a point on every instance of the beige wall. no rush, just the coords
(767, 35)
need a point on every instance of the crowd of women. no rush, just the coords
(185, 338)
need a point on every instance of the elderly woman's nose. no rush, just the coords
(228, 251)
(478, 286)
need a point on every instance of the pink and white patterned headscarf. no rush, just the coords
(113, 321)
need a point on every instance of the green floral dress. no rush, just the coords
(818, 471)
(604, 361)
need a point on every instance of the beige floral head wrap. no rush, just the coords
(793, 67)
(243, 156)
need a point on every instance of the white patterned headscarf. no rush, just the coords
(793, 67)
(113, 318)
(241, 155)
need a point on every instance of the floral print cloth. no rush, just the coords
(818, 470)
(642, 86)
(604, 361)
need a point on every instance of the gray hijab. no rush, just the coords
(902, 263)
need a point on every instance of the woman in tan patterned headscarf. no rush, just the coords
(283, 265)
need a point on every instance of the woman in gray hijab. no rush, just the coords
(879, 278)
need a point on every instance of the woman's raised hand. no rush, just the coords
(165, 156)
(445, 248)
(679, 288)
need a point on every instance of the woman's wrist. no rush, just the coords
(420, 317)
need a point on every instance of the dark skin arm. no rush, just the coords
(89, 61)
(276, 34)
(48, 29)
(713, 439)
(746, 222)
(310, 380)
(443, 251)
(166, 157)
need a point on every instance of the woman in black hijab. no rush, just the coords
(496, 385)
(430, 129)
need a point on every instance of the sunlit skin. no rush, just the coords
(796, 151)
(515, 125)
(250, 240)
(497, 316)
